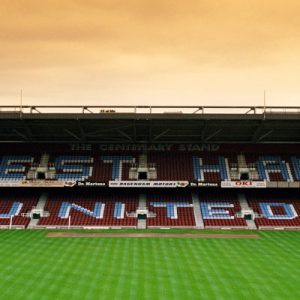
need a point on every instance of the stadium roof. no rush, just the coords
(150, 124)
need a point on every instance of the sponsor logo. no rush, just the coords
(204, 184)
(243, 184)
(46, 183)
(37, 183)
(150, 184)
(89, 183)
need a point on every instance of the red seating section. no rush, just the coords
(103, 171)
(285, 196)
(6, 201)
(170, 165)
(87, 200)
(223, 196)
(185, 214)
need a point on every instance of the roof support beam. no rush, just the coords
(198, 109)
(257, 131)
(82, 133)
(161, 134)
(85, 108)
(72, 134)
(264, 135)
(20, 134)
(203, 130)
(212, 135)
(99, 131)
(28, 130)
(33, 108)
(124, 134)
(249, 110)
(134, 130)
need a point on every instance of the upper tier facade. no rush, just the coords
(192, 163)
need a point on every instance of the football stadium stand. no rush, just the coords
(221, 209)
(84, 209)
(139, 167)
(14, 208)
(171, 209)
(280, 209)
(171, 166)
(106, 209)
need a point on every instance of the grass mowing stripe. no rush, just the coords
(34, 267)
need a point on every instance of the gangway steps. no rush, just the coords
(245, 206)
(40, 205)
(197, 211)
(142, 223)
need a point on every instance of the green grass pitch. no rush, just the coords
(35, 267)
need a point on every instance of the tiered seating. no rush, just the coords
(219, 209)
(267, 163)
(214, 167)
(210, 168)
(90, 209)
(112, 166)
(172, 209)
(15, 167)
(272, 168)
(294, 162)
(73, 167)
(172, 166)
(275, 209)
(16, 205)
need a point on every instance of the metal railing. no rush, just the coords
(112, 109)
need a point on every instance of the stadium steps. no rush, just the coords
(245, 206)
(197, 211)
(289, 171)
(44, 160)
(251, 224)
(142, 224)
(143, 161)
(42, 201)
(33, 223)
(242, 161)
(234, 174)
(40, 205)
(142, 201)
